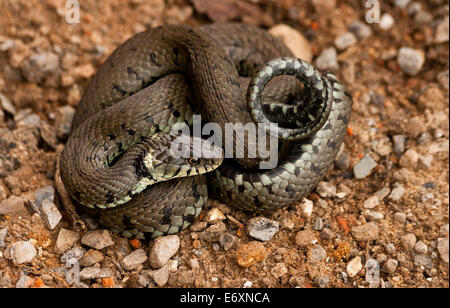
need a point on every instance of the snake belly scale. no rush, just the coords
(116, 154)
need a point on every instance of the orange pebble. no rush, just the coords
(349, 131)
(135, 243)
(38, 283)
(250, 253)
(107, 282)
(314, 25)
(343, 224)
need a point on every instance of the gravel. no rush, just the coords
(163, 249)
(390, 266)
(360, 29)
(214, 215)
(12, 205)
(345, 40)
(66, 239)
(318, 224)
(97, 239)
(408, 241)
(3, 233)
(262, 228)
(397, 192)
(94, 272)
(22, 252)
(227, 241)
(50, 214)
(326, 189)
(399, 144)
(371, 202)
(364, 167)
(45, 193)
(366, 232)
(134, 259)
(442, 247)
(409, 159)
(24, 282)
(421, 247)
(160, 276)
(386, 22)
(327, 60)
(305, 238)
(316, 254)
(354, 266)
(410, 60)
(441, 35)
(91, 257)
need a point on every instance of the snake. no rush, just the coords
(117, 161)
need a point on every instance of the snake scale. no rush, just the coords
(117, 161)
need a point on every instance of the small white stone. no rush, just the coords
(307, 207)
(163, 249)
(354, 266)
(386, 21)
(345, 40)
(371, 202)
(411, 60)
(22, 252)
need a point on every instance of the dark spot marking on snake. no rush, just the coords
(332, 144)
(119, 146)
(189, 218)
(105, 147)
(88, 158)
(195, 191)
(148, 119)
(166, 220)
(140, 169)
(133, 48)
(119, 89)
(95, 143)
(167, 210)
(257, 202)
(131, 71)
(154, 60)
(241, 188)
(109, 197)
(315, 169)
(170, 105)
(233, 81)
(290, 190)
(315, 149)
(176, 113)
(77, 195)
(176, 51)
(111, 136)
(297, 171)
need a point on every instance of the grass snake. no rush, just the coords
(117, 161)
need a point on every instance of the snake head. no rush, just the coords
(181, 156)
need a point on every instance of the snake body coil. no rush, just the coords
(117, 148)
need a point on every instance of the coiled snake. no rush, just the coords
(117, 156)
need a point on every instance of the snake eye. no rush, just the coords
(194, 161)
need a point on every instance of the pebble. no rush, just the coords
(305, 238)
(212, 233)
(323, 281)
(401, 3)
(74, 253)
(382, 193)
(172, 266)
(441, 35)
(227, 241)
(97, 239)
(50, 214)
(402, 175)
(293, 40)
(262, 228)
(410, 60)
(343, 161)
(40, 66)
(327, 234)
(94, 272)
(345, 40)
(399, 144)
(160, 276)
(65, 240)
(198, 226)
(444, 229)
(442, 247)
(316, 254)
(364, 167)
(423, 260)
(326, 189)
(6, 105)
(214, 215)
(3, 194)
(134, 259)
(91, 257)
(12, 205)
(366, 232)
(354, 266)
(421, 247)
(386, 21)
(24, 282)
(63, 121)
(400, 217)
(409, 159)
(360, 29)
(327, 60)
(250, 253)
(443, 79)
(3, 233)
(45, 193)
(22, 252)
(279, 270)
(408, 241)
(372, 215)
(163, 249)
(372, 271)
(425, 161)
(371, 202)
(307, 207)
(397, 192)
(318, 224)
(390, 266)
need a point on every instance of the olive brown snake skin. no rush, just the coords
(117, 158)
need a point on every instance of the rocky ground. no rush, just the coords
(379, 219)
